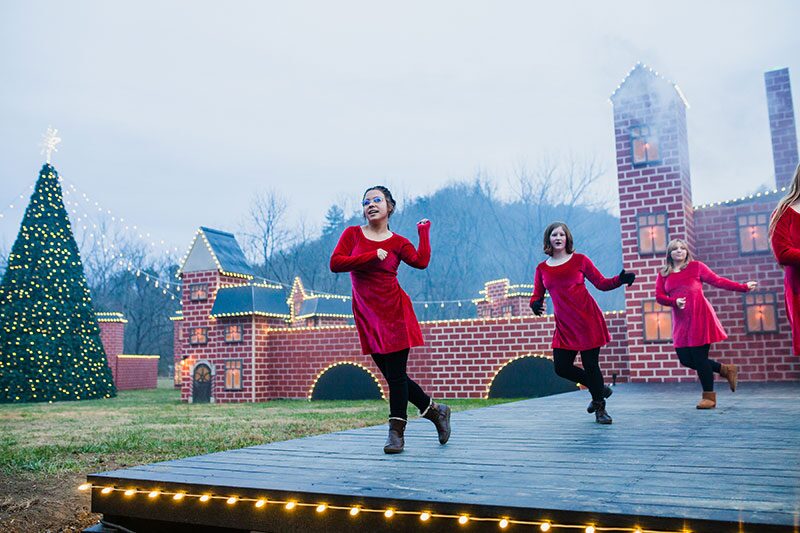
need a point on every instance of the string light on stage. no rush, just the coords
(354, 511)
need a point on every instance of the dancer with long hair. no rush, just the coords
(385, 320)
(784, 236)
(695, 325)
(580, 326)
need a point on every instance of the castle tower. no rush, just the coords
(655, 206)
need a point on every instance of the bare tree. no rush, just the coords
(265, 228)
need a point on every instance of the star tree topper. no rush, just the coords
(49, 141)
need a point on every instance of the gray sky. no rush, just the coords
(173, 114)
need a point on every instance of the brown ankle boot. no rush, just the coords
(731, 373)
(439, 414)
(395, 440)
(709, 400)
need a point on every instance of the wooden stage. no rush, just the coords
(663, 466)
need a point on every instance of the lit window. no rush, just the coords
(753, 233)
(198, 336)
(198, 291)
(644, 146)
(761, 312)
(652, 233)
(233, 333)
(233, 374)
(657, 322)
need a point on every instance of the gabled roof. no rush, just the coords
(252, 299)
(218, 250)
(326, 306)
(642, 74)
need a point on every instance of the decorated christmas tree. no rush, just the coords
(50, 348)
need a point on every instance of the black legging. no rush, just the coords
(589, 375)
(696, 357)
(401, 387)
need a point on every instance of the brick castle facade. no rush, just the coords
(240, 341)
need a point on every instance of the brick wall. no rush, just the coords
(459, 359)
(137, 372)
(760, 356)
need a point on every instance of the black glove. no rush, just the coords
(627, 277)
(537, 306)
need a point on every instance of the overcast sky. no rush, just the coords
(173, 114)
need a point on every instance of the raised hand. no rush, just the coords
(627, 277)
(423, 223)
(680, 302)
(382, 254)
(751, 285)
(537, 306)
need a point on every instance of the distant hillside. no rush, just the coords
(475, 238)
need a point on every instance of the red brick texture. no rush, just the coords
(129, 371)
(782, 127)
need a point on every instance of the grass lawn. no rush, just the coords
(46, 450)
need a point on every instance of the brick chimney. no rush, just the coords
(781, 125)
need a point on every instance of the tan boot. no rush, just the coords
(709, 400)
(731, 373)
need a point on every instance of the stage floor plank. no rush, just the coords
(660, 459)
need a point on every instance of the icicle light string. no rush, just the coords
(104, 241)
(19, 201)
(356, 509)
(143, 236)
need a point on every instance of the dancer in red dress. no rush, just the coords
(695, 326)
(580, 326)
(784, 234)
(385, 320)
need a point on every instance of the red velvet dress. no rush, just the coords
(697, 323)
(785, 242)
(383, 313)
(579, 322)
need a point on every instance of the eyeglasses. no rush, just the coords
(367, 201)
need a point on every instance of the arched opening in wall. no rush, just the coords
(528, 376)
(345, 381)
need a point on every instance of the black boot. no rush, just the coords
(439, 414)
(395, 440)
(600, 415)
(607, 391)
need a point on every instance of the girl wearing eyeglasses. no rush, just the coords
(385, 320)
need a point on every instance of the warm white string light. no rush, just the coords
(424, 515)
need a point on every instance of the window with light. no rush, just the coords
(233, 374)
(657, 322)
(198, 336)
(761, 312)
(233, 333)
(644, 146)
(753, 233)
(653, 235)
(198, 291)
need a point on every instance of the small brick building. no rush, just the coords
(239, 340)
